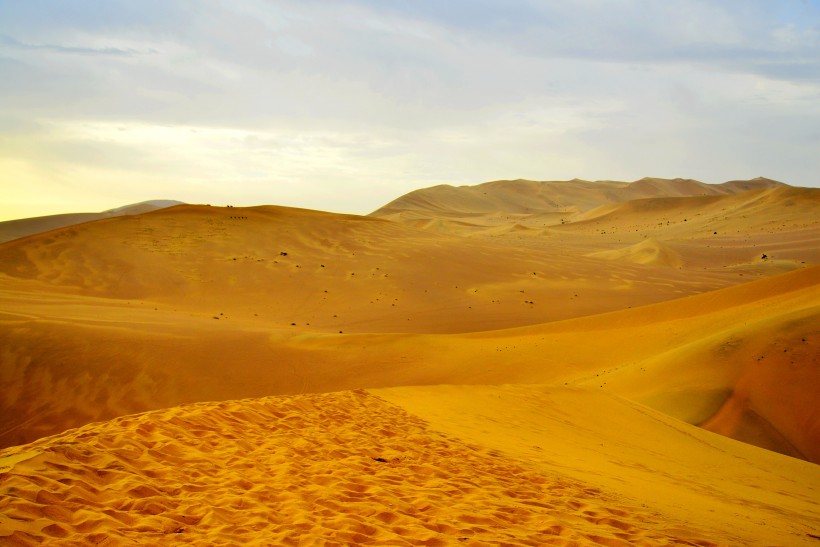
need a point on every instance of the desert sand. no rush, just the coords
(478, 465)
(514, 363)
(15, 229)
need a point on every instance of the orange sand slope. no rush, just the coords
(323, 272)
(743, 360)
(444, 466)
(197, 303)
(544, 197)
(684, 224)
(562, 357)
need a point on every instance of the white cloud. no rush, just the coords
(346, 105)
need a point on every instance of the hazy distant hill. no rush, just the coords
(560, 199)
(14, 229)
(757, 225)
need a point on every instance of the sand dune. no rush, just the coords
(757, 210)
(757, 232)
(351, 468)
(549, 201)
(92, 315)
(739, 228)
(648, 251)
(324, 272)
(624, 450)
(564, 341)
(77, 359)
(14, 229)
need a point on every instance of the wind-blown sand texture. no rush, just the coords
(563, 358)
(352, 469)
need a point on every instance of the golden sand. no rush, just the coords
(540, 368)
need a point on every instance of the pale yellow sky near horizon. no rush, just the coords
(344, 107)
(233, 166)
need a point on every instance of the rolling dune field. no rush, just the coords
(514, 363)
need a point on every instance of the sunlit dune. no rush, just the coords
(436, 466)
(324, 272)
(517, 363)
(721, 487)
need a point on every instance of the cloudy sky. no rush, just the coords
(344, 105)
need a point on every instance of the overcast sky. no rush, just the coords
(344, 105)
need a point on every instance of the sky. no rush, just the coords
(345, 105)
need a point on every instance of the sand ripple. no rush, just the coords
(333, 469)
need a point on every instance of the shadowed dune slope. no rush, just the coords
(443, 466)
(14, 229)
(749, 356)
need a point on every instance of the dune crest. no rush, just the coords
(649, 251)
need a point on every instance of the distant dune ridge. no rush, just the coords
(549, 197)
(14, 229)
(518, 362)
